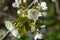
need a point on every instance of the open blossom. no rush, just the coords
(33, 14)
(38, 36)
(43, 5)
(15, 34)
(9, 25)
(16, 3)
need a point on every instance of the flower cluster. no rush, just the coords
(27, 19)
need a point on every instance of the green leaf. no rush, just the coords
(2, 4)
(24, 38)
(51, 10)
(38, 24)
(49, 22)
(21, 21)
(57, 27)
(50, 35)
(58, 36)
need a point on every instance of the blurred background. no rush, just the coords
(52, 20)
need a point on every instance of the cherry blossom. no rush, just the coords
(33, 14)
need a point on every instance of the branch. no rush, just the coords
(5, 35)
(57, 7)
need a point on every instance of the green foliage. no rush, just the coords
(23, 6)
(51, 10)
(1, 35)
(49, 22)
(50, 35)
(2, 4)
(24, 38)
(38, 24)
(21, 21)
(57, 27)
(58, 36)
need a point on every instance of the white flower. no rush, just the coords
(43, 4)
(16, 3)
(44, 7)
(18, 12)
(15, 34)
(53, 0)
(32, 28)
(31, 35)
(38, 36)
(43, 30)
(9, 25)
(35, 0)
(33, 14)
(43, 26)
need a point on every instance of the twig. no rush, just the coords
(57, 7)
(29, 6)
(5, 35)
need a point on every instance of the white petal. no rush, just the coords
(15, 34)
(31, 16)
(36, 0)
(32, 28)
(41, 36)
(18, 12)
(44, 8)
(9, 25)
(53, 0)
(43, 4)
(43, 30)
(18, 1)
(34, 17)
(37, 29)
(35, 38)
(43, 26)
(40, 14)
(38, 36)
(14, 4)
(31, 36)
